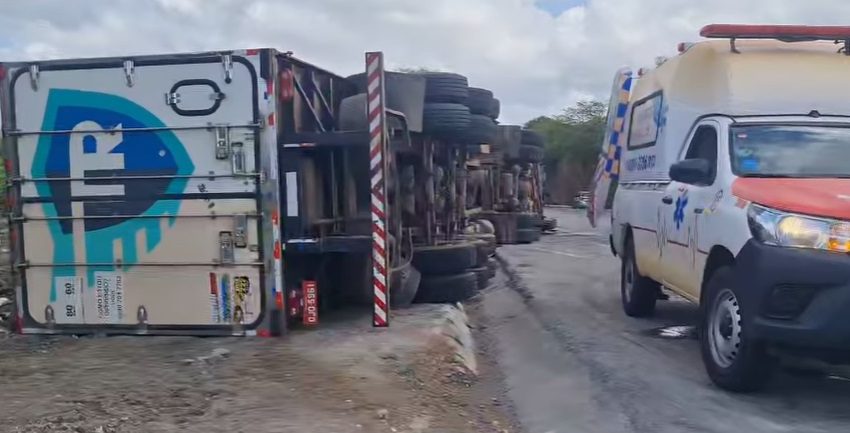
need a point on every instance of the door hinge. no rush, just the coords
(240, 231)
(227, 64)
(172, 98)
(129, 72)
(237, 157)
(34, 76)
(225, 248)
(222, 142)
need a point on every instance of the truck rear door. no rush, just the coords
(138, 206)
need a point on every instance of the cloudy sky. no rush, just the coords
(537, 55)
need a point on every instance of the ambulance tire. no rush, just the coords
(532, 138)
(747, 366)
(527, 236)
(638, 293)
(447, 288)
(448, 120)
(529, 153)
(482, 130)
(482, 274)
(446, 87)
(445, 259)
(495, 109)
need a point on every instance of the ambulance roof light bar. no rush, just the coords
(784, 33)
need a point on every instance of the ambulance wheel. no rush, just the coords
(638, 293)
(733, 360)
(447, 288)
(445, 259)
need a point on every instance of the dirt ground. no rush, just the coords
(342, 377)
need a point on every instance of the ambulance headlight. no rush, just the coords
(775, 227)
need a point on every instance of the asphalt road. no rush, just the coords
(573, 362)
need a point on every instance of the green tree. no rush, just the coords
(573, 143)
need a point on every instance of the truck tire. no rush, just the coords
(446, 87)
(638, 293)
(528, 153)
(405, 283)
(483, 251)
(532, 138)
(495, 109)
(446, 120)
(447, 288)
(527, 236)
(528, 220)
(482, 130)
(445, 259)
(480, 101)
(482, 274)
(733, 360)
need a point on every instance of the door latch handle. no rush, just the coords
(667, 199)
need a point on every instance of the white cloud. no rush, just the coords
(535, 62)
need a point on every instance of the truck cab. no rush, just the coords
(734, 193)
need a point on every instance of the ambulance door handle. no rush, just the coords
(667, 199)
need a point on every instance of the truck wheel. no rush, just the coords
(446, 119)
(528, 220)
(445, 259)
(532, 138)
(482, 274)
(638, 293)
(733, 360)
(446, 87)
(527, 236)
(405, 282)
(447, 288)
(480, 101)
(529, 153)
(495, 109)
(482, 130)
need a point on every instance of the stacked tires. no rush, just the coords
(447, 272)
(445, 114)
(461, 116)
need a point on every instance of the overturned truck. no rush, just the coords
(242, 192)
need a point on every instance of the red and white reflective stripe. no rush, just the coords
(376, 117)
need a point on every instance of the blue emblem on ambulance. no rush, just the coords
(105, 149)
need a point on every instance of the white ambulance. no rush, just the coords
(734, 192)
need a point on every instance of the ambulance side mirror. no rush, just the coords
(691, 171)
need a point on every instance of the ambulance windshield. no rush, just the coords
(790, 151)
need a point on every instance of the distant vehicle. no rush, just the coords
(734, 194)
(581, 200)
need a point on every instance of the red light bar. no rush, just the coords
(780, 32)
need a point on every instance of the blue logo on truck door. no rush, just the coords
(103, 146)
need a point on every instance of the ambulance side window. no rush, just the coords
(704, 146)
